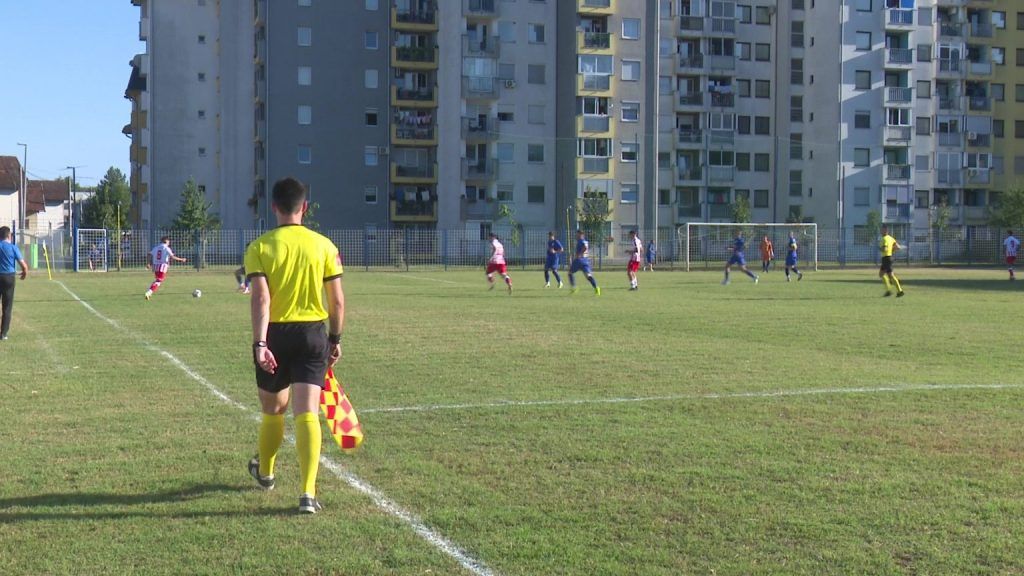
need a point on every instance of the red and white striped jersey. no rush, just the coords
(498, 252)
(636, 249)
(161, 255)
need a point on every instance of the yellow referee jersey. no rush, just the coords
(887, 245)
(296, 262)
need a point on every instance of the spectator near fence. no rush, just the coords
(10, 258)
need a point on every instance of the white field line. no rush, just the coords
(379, 499)
(404, 275)
(55, 360)
(683, 397)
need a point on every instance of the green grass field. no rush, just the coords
(802, 428)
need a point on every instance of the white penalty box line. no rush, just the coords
(379, 499)
(690, 397)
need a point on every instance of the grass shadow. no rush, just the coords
(109, 499)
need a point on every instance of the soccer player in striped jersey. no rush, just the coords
(636, 249)
(581, 263)
(1010, 246)
(888, 246)
(160, 258)
(497, 263)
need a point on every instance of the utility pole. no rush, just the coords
(23, 197)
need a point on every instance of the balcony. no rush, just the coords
(721, 173)
(687, 213)
(723, 26)
(722, 100)
(692, 63)
(981, 29)
(480, 8)
(976, 140)
(588, 123)
(897, 212)
(951, 29)
(727, 137)
(897, 171)
(721, 62)
(419, 20)
(484, 169)
(979, 68)
(481, 47)
(415, 174)
(594, 83)
(402, 135)
(691, 137)
(693, 100)
(414, 210)
(480, 129)
(900, 56)
(899, 94)
(480, 87)
(950, 176)
(955, 139)
(979, 176)
(595, 41)
(689, 176)
(479, 209)
(951, 103)
(720, 211)
(595, 7)
(898, 17)
(414, 97)
(979, 103)
(897, 134)
(414, 57)
(691, 25)
(949, 66)
(592, 165)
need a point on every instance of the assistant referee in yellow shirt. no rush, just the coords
(290, 268)
(889, 246)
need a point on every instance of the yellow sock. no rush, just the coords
(897, 282)
(888, 286)
(270, 437)
(307, 442)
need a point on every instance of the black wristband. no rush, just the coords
(334, 339)
(259, 344)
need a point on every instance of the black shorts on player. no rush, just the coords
(886, 267)
(302, 353)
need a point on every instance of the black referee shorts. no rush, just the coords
(302, 352)
(886, 267)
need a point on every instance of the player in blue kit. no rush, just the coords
(791, 257)
(553, 260)
(738, 258)
(581, 262)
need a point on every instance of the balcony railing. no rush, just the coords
(950, 65)
(595, 123)
(688, 212)
(480, 86)
(723, 25)
(691, 24)
(979, 140)
(980, 103)
(481, 47)
(951, 138)
(951, 29)
(897, 171)
(981, 29)
(722, 136)
(421, 171)
(414, 132)
(950, 176)
(897, 212)
(721, 100)
(692, 61)
(720, 211)
(689, 174)
(425, 210)
(691, 136)
(900, 56)
(949, 103)
(595, 165)
(597, 40)
(415, 54)
(979, 67)
(427, 15)
(597, 82)
(897, 133)
(480, 169)
(979, 175)
(425, 94)
(898, 94)
(721, 62)
(479, 129)
(721, 173)
(485, 8)
(473, 209)
(900, 17)
(694, 99)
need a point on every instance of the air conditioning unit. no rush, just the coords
(510, 83)
(383, 150)
(972, 135)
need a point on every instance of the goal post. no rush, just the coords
(91, 250)
(711, 242)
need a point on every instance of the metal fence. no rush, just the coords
(407, 249)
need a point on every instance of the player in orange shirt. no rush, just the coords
(767, 253)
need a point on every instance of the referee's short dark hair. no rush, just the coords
(288, 195)
(5, 232)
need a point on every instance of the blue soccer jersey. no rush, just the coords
(554, 253)
(791, 253)
(738, 256)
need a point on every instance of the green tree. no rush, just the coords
(741, 210)
(109, 204)
(1009, 212)
(942, 217)
(873, 225)
(592, 212)
(309, 218)
(508, 212)
(194, 210)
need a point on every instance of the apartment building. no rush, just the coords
(192, 94)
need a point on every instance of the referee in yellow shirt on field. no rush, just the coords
(290, 268)
(888, 246)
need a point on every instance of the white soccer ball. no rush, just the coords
(197, 293)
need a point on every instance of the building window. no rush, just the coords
(999, 20)
(535, 153)
(863, 41)
(998, 92)
(506, 152)
(371, 40)
(507, 31)
(762, 52)
(201, 76)
(373, 4)
(305, 114)
(743, 50)
(762, 125)
(371, 156)
(1020, 20)
(997, 128)
(201, 39)
(305, 154)
(862, 119)
(629, 193)
(630, 111)
(796, 146)
(796, 108)
(861, 157)
(863, 5)
(1019, 92)
(743, 161)
(998, 55)
(535, 74)
(743, 124)
(861, 196)
(762, 88)
(305, 36)
(743, 88)
(796, 183)
(506, 192)
(629, 151)
(745, 14)
(371, 78)
(862, 79)
(535, 194)
(506, 115)
(921, 163)
(924, 125)
(305, 3)
(201, 114)
(370, 194)
(371, 116)
(305, 76)
(631, 28)
(535, 113)
(630, 70)
(202, 152)
(762, 15)
(924, 89)
(535, 33)
(924, 52)
(760, 198)
(762, 162)
(796, 73)
(796, 34)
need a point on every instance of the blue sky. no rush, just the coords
(65, 67)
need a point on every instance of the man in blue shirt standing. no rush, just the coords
(581, 263)
(738, 258)
(9, 257)
(553, 260)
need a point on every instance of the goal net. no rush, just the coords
(92, 250)
(709, 244)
